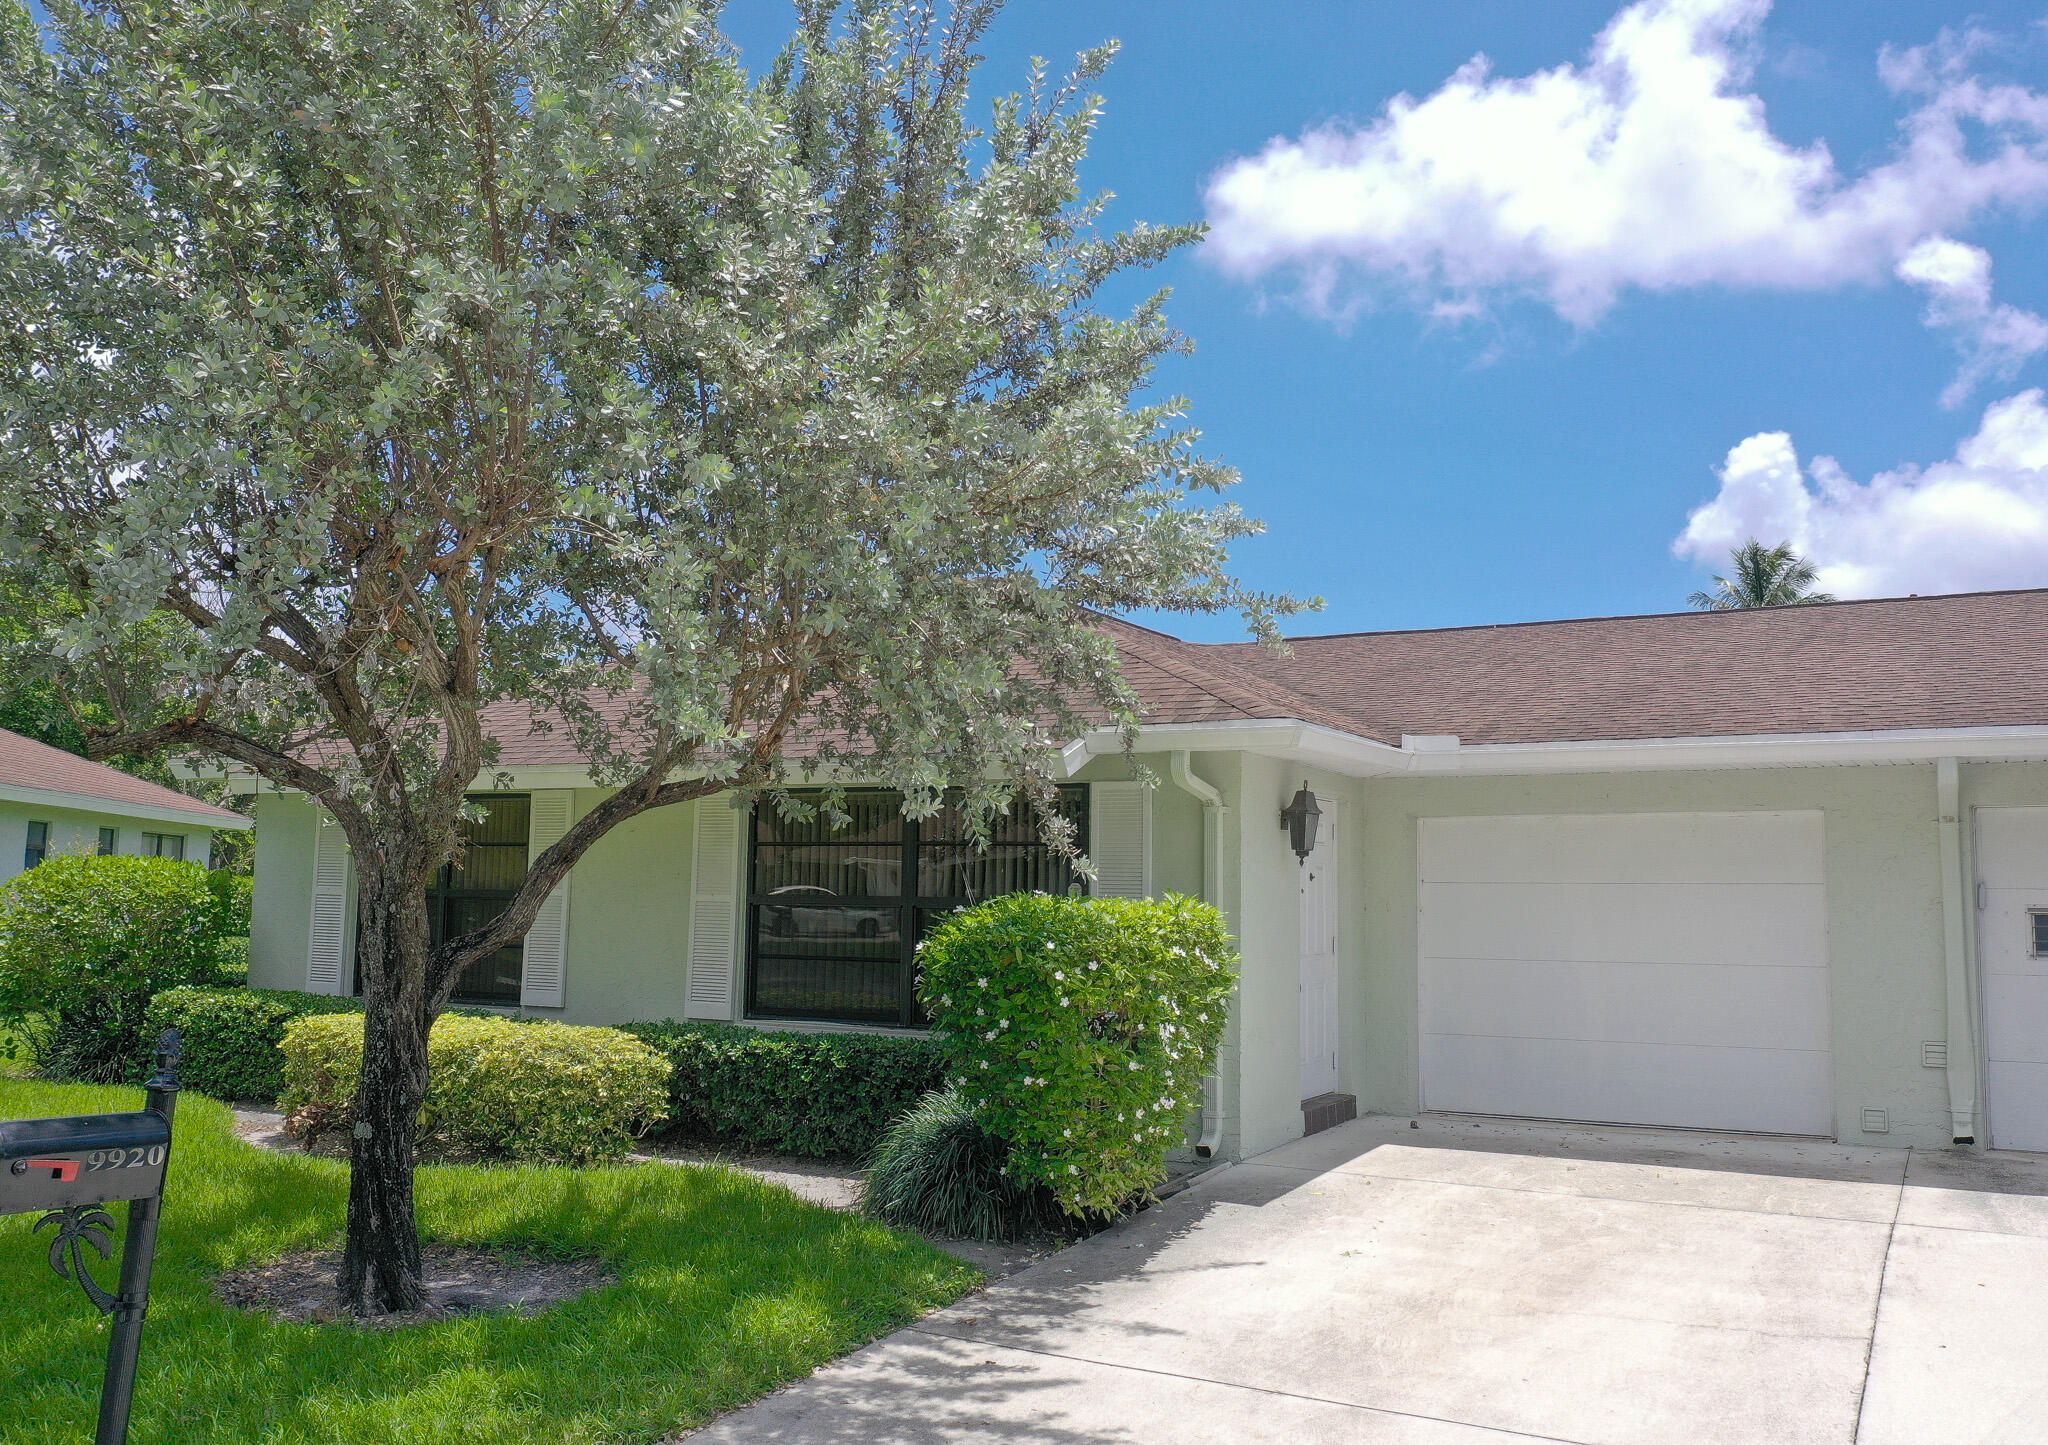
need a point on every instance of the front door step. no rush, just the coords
(1327, 1111)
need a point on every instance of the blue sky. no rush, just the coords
(1482, 361)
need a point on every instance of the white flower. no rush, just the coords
(1003, 1024)
(1073, 1169)
(1049, 946)
(1060, 974)
(981, 983)
(1064, 1001)
(984, 1063)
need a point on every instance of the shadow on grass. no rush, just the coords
(726, 1288)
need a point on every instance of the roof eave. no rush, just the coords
(115, 807)
(1445, 756)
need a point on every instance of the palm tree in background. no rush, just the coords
(1761, 576)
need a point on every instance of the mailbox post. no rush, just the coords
(69, 1169)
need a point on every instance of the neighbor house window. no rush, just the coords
(164, 845)
(38, 844)
(110, 842)
(2037, 920)
(468, 894)
(834, 914)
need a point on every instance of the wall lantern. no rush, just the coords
(1299, 818)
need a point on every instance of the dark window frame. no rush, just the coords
(153, 846)
(110, 842)
(912, 909)
(35, 846)
(442, 896)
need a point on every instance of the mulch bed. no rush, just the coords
(459, 1282)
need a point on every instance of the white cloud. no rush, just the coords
(1995, 339)
(1979, 520)
(1649, 166)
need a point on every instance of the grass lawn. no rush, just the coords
(727, 1287)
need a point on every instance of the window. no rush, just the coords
(110, 842)
(164, 845)
(2037, 919)
(467, 895)
(38, 845)
(834, 914)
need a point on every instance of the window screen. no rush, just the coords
(835, 913)
(468, 894)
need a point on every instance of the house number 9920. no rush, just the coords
(124, 1158)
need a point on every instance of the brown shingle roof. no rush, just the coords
(1956, 661)
(1962, 660)
(26, 763)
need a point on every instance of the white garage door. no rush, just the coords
(1662, 968)
(2012, 952)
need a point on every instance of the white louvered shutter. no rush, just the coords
(325, 960)
(714, 911)
(543, 980)
(1120, 839)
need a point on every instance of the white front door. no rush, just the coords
(2012, 953)
(1320, 889)
(1628, 969)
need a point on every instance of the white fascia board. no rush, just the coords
(1765, 750)
(109, 807)
(1362, 757)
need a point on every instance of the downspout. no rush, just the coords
(1213, 813)
(1955, 901)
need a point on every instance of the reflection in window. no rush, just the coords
(835, 913)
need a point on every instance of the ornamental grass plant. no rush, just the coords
(939, 1171)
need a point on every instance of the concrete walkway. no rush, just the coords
(1464, 1283)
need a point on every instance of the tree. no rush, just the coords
(441, 370)
(1761, 576)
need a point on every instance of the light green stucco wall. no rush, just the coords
(1883, 910)
(286, 830)
(630, 914)
(77, 830)
(629, 919)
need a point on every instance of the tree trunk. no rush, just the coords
(380, 1265)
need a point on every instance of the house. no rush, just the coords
(1781, 871)
(54, 802)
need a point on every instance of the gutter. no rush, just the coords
(1213, 813)
(1444, 755)
(1955, 902)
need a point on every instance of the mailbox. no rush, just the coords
(64, 1170)
(48, 1164)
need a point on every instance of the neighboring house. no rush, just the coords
(55, 802)
(1780, 871)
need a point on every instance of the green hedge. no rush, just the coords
(540, 1093)
(86, 942)
(819, 1095)
(232, 1035)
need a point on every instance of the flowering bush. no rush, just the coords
(1081, 1029)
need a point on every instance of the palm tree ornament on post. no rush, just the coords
(1760, 576)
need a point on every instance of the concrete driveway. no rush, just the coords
(1463, 1283)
